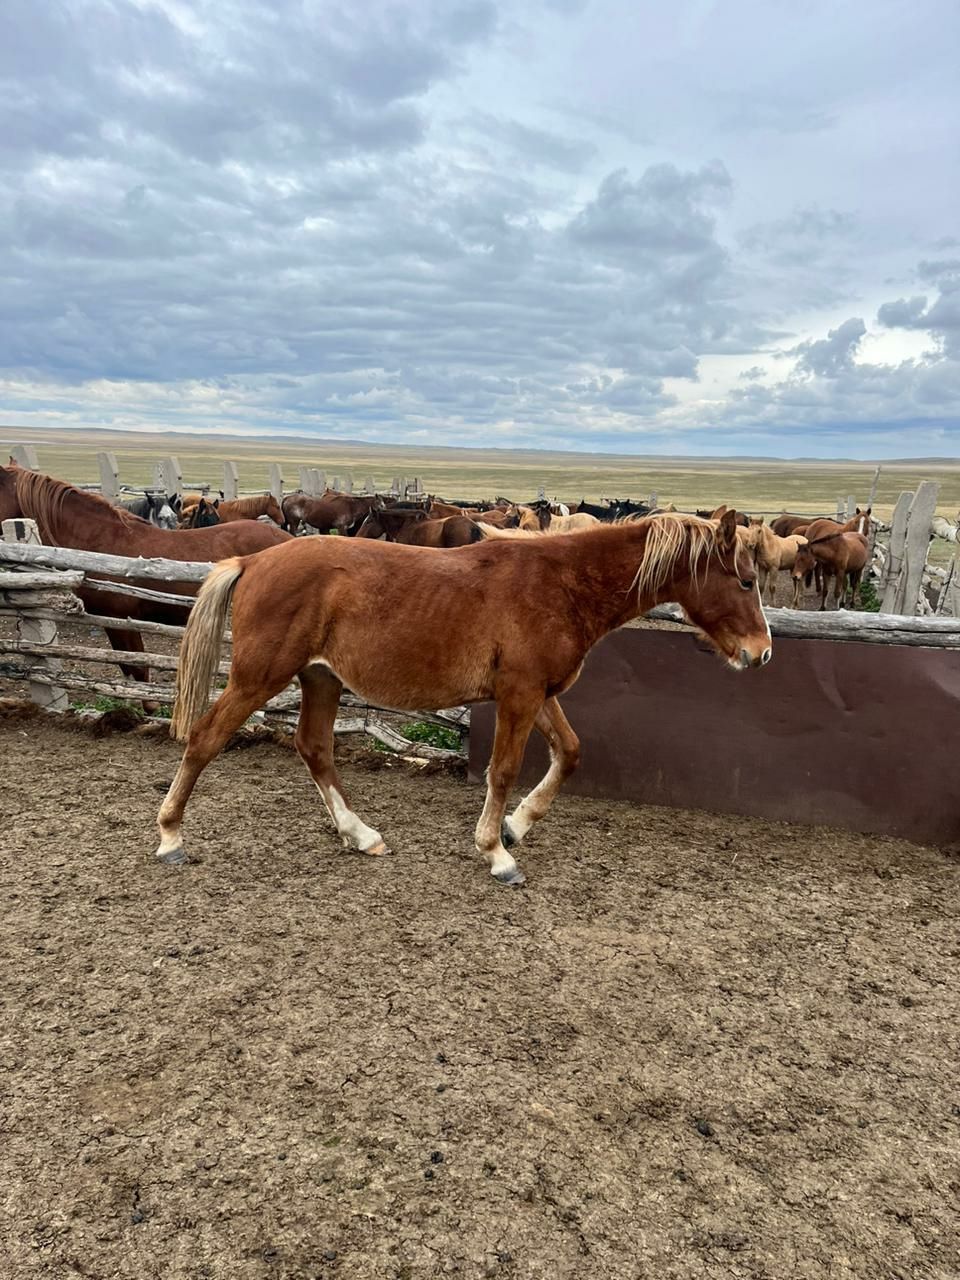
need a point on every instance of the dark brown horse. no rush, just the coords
(68, 517)
(409, 627)
(200, 515)
(841, 556)
(332, 512)
(419, 530)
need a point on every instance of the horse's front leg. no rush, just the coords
(516, 715)
(564, 748)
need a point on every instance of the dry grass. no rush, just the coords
(758, 486)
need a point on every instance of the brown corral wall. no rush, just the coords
(861, 736)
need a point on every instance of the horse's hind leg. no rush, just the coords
(207, 738)
(320, 696)
(564, 757)
(515, 719)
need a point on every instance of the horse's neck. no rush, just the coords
(603, 564)
(85, 523)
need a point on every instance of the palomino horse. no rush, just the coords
(68, 517)
(840, 556)
(770, 552)
(417, 529)
(332, 511)
(411, 627)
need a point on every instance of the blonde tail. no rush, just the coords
(200, 650)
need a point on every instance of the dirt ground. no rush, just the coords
(693, 1046)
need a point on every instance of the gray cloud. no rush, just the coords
(358, 220)
(830, 356)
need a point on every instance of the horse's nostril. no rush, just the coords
(744, 659)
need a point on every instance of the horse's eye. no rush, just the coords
(747, 584)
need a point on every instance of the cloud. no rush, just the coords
(368, 221)
(830, 356)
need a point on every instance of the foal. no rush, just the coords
(413, 627)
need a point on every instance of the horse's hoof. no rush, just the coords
(173, 857)
(507, 838)
(377, 850)
(513, 877)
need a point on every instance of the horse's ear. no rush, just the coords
(718, 513)
(220, 491)
(801, 540)
(728, 530)
(756, 521)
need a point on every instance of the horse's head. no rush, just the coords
(722, 598)
(162, 513)
(805, 561)
(861, 522)
(273, 510)
(371, 526)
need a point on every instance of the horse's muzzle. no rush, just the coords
(755, 660)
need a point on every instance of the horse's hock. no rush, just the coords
(839, 733)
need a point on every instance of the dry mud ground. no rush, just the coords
(694, 1046)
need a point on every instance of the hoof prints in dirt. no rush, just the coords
(660, 1060)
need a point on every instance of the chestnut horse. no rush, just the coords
(413, 627)
(331, 512)
(251, 508)
(68, 517)
(417, 529)
(841, 556)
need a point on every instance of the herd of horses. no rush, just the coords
(422, 606)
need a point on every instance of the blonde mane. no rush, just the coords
(42, 498)
(671, 537)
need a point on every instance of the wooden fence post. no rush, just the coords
(319, 481)
(303, 474)
(25, 455)
(276, 481)
(873, 488)
(231, 482)
(36, 630)
(171, 477)
(898, 541)
(922, 511)
(369, 486)
(348, 483)
(109, 477)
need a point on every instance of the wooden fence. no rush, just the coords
(906, 581)
(38, 588)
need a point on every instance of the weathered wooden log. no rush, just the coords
(129, 691)
(37, 580)
(116, 566)
(141, 593)
(84, 653)
(391, 738)
(841, 624)
(941, 528)
(53, 613)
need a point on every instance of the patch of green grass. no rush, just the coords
(869, 600)
(434, 735)
(104, 703)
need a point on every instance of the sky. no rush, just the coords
(710, 227)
